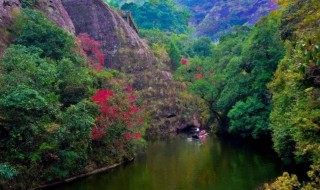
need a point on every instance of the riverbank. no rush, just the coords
(74, 178)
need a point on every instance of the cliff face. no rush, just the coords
(125, 51)
(122, 47)
(9, 9)
(55, 11)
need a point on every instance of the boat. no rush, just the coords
(200, 135)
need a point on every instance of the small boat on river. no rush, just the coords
(200, 135)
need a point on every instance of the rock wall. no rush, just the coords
(9, 9)
(122, 47)
(125, 51)
(55, 11)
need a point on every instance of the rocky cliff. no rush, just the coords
(55, 11)
(9, 9)
(122, 47)
(125, 51)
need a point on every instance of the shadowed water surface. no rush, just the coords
(176, 163)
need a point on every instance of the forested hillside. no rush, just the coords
(259, 82)
(295, 116)
(210, 18)
(56, 104)
(234, 81)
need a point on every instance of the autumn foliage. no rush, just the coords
(184, 61)
(117, 109)
(90, 49)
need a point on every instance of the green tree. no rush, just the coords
(175, 56)
(250, 118)
(200, 47)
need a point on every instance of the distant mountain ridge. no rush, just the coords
(213, 18)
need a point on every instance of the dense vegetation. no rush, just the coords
(60, 115)
(164, 15)
(210, 18)
(234, 80)
(260, 82)
(295, 115)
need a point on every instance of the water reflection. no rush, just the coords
(176, 163)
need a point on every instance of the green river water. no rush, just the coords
(179, 164)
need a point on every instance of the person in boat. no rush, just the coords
(196, 134)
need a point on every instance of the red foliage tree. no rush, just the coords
(90, 49)
(117, 109)
(184, 61)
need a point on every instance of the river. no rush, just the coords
(176, 163)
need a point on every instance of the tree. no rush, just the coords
(250, 118)
(201, 47)
(174, 56)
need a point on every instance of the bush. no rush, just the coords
(38, 31)
(7, 172)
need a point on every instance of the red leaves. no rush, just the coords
(117, 109)
(129, 89)
(199, 76)
(131, 98)
(90, 49)
(129, 136)
(102, 96)
(97, 133)
(212, 72)
(184, 61)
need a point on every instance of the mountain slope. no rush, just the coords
(125, 51)
(215, 17)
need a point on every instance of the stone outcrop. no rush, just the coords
(9, 9)
(55, 11)
(125, 51)
(121, 45)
